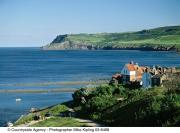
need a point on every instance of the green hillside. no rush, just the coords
(163, 38)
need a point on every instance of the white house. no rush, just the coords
(131, 72)
(128, 73)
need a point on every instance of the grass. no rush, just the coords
(159, 41)
(167, 40)
(24, 119)
(59, 122)
(57, 109)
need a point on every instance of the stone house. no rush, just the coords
(116, 79)
(158, 79)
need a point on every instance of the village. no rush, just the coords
(144, 77)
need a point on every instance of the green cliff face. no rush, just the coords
(163, 38)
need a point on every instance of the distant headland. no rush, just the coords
(157, 39)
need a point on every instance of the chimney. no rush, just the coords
(131, 62)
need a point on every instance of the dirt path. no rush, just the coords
(89, 123)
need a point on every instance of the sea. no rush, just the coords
(36, 69)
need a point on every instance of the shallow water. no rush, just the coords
(31, 68)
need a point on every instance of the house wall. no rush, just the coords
(156, 81)
(132, 77)
(147, 81)
(125, 79)
(132, 73)
(125, 71)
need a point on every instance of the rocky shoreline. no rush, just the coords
(68, 46)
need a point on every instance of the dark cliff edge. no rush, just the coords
(158, 39)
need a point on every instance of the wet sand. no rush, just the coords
(38, 91)
(57, 83)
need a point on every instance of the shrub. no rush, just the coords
(120, 90)
(99, 103)
(105, 90)
(79, 95)
(154, 106)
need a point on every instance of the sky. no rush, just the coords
(29, 23)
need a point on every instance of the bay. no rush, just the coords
(34, 68)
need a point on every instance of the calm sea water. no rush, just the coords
(27, 68)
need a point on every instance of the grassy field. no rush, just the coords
(102, 40)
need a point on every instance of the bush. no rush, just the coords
(154, 106)
(99, 103)
(79, 95)
(172, 100)
(120, 90)
(105, 90)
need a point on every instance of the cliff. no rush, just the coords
(163, 38)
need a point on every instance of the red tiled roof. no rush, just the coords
(143, 68)
(139, 70)
(131, 67)
(116, 76)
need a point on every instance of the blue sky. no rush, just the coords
(37, 22)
